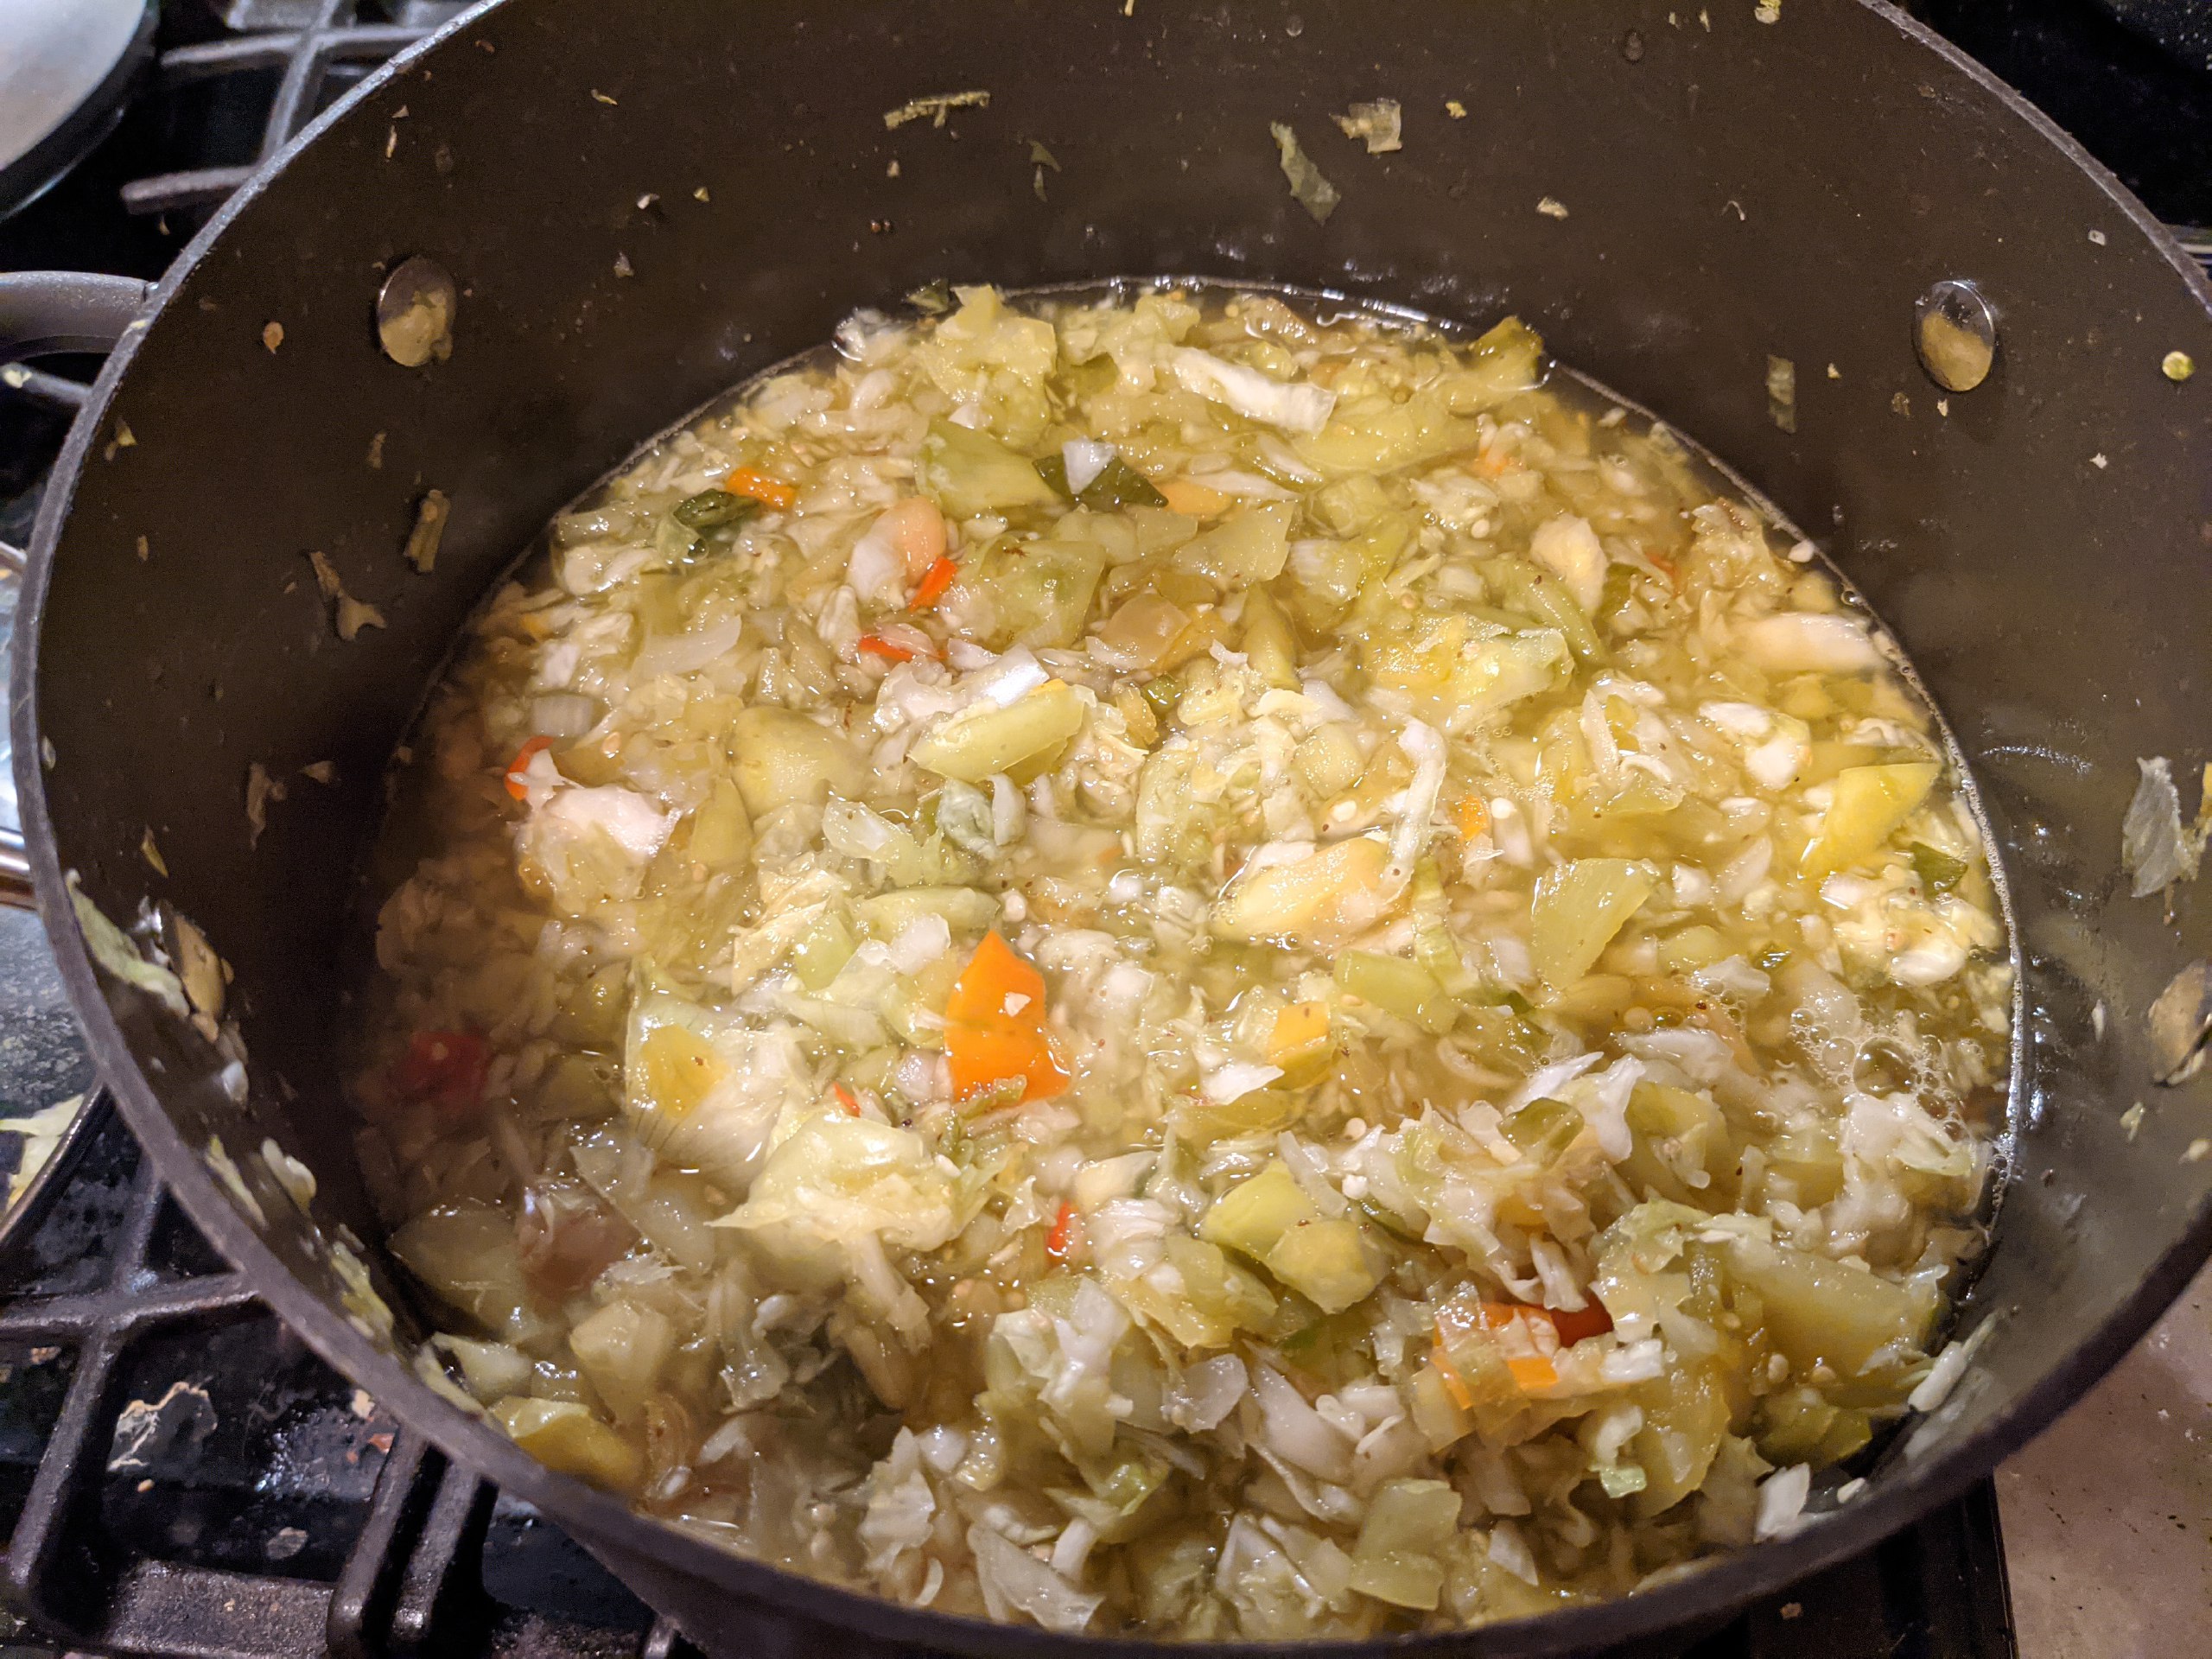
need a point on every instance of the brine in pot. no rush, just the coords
(1171, 961)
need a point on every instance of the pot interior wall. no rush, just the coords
(642, 205)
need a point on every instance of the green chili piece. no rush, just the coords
(712, 509)
(1118, 485)
(1938, 871)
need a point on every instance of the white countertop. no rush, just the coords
(2108, 1517)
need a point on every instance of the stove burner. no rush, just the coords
(316, 50)
(65, 73)
(2144, 113)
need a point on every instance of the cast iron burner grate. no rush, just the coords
(309, 51)
(234, 82)
(180, 1476)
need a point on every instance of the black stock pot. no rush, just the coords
(638, 205)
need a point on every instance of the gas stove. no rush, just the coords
(178, 1473)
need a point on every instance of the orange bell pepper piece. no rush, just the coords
(1453, 1384)
(520, 764)
(768, 492)
(935, 581)
(994, 1028)
(1532, 1373)
(1591, 1321)
(1298, 1026)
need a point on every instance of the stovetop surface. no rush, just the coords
(177, 1471)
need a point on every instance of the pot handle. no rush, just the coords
(42, 312)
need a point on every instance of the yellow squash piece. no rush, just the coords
(1324, 1260)
(1409, 1528)
(1336, 894)
(1301, 1045)
(623, 1349)
(1252, 1215)
(1268, 644)
(972, 473)
(1250, 546)
(1870, 802)
(564, 1435)
(1218, 1297)
(1578, 909)
(1832, 1313)
(1271, 1219)
(721, 834)
(678, 1070)
(988, 739)
(1397, 985)
(1685, 1414)
(1443, 660)
(783, 758)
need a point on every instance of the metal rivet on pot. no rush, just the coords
(415, 313)
(1955, 333)
(2181, 1024)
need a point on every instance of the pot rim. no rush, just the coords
(1716, 1586)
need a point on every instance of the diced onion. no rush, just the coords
(1084, 460)
(1298, 1432)
(1781, 1500)
(1013, 1581)
(562, 716)
(1797, 642)
(687, 653)
(1208, 1391)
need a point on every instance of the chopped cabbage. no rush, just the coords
(1180, 966)
(704, 1085)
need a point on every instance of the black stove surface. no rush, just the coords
(178, 1473)
(2142, 108)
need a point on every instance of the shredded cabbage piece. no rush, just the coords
(1308, 187)
(2155, 849)
(1376, 122)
